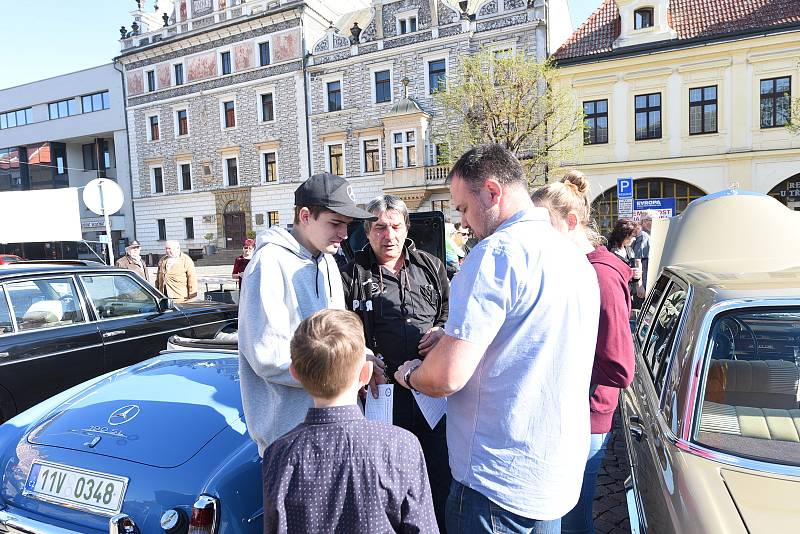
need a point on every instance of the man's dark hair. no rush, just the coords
(485, 161)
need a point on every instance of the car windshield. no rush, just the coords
(751, 401)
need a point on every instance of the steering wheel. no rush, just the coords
(69, 307)
(730, 328)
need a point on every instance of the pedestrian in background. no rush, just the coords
(570, 214)
(337, 471)
(175, 276)
(516, 359)
(641, 245)
(291, 276)
(241, 261)
(408, 292)
(619, 242)
(132, 260)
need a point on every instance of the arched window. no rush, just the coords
(604, 207)
(788, 192)
(643, 18)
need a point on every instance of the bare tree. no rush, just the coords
(513, 100)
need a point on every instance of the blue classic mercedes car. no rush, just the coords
(160, 446)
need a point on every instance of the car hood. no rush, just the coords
(767, 503)
(159, 413)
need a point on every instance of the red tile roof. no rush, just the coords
(689, 18)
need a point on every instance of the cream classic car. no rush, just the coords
(713, 414)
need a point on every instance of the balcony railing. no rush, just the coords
(436, 174)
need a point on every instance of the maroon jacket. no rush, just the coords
(613, 355)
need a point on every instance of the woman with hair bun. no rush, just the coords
(570, 214)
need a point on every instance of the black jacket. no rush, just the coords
(358, 279)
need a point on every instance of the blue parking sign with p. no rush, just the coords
(625, 188)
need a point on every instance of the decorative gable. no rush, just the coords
(643, 21)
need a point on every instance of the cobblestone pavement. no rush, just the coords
(610, 508)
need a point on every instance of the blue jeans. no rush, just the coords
(470, 512)
(579, 520)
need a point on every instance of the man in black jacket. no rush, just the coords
(401, 295)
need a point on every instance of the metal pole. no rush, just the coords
(108, 225)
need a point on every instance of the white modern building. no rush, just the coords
(64, 132)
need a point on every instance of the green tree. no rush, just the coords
(513, 100)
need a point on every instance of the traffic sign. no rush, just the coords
(625, 207)
(103, 196)
(624, 187)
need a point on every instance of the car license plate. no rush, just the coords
(76, 488)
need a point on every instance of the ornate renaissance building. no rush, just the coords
(230, 104)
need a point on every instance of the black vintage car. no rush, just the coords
(64, 322)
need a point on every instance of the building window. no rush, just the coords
(267, 108)
(229, 113)
(437, 75)
(336, 159)
(334, 95)
(64, 108)
(263, 53)
(270, 167)
(703, 110)
(95, 102)
(225, 62)
(185, 171)
(156, 180)
(643, 18)
(776, 101)
(231, 172)
(162, 229)
(648, 116)
(154, 133)
(383, 86)
(595, 122)
(20, 117)
(188, 223)
(178, 74)
(89, 160)
(407, 25)
(372, 155)
(151, 81)
(405, 149)
(182, 119)
(274, 218)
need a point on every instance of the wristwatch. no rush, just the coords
(407, 378)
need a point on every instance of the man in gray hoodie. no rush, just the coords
(292, 275)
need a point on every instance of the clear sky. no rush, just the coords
(45, 38)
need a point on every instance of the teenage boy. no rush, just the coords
(337, 471)
(291, 276)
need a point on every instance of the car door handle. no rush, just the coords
(113, 333)
(636, 428)
(4, 355)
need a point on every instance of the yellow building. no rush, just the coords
(687, 97)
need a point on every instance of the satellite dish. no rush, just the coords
(103, 196)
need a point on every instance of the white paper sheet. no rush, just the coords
(431, 407)
(380, 409)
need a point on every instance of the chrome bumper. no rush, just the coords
(11, 523)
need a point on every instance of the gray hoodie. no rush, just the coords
(284, 285)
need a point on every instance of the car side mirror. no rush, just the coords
(165, 304)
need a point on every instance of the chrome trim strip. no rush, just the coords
(50, 354)
(112, 341)
(16, 524)
(633, 510)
